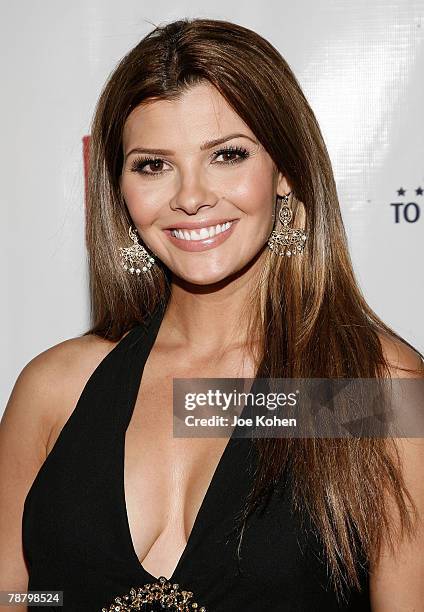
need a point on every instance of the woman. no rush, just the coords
(204, 151)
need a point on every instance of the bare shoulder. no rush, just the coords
(404, 362)
(47, 388)
(68, 360)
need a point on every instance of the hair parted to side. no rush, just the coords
(312, 316)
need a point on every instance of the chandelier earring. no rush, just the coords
(286, 241)
(135, 258)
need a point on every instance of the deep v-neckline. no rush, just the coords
(149, 333)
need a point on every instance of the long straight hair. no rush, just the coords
(312, 318)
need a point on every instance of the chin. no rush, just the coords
(203, 277)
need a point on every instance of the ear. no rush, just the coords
(283, 186)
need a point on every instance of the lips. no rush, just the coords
(202, 233)
(200, 239)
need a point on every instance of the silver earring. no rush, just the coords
(287, 241)
(135, 258)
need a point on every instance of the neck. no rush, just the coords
(204, 318)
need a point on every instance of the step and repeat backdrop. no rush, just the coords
(361, 65)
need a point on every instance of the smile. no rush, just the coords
(201, 233)
(202, 238)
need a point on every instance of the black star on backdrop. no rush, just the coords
(401, 191)
(419, 191)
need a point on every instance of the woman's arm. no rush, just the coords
(22, 452)
(397, 580)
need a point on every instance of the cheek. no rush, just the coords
(257, 204)
(142, 204)
(253, 193)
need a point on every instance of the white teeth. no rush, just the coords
(202, 233)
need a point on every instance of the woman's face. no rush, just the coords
(174, 177)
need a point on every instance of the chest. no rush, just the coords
(166, 478)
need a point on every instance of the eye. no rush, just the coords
(231, 151)
(140, 163)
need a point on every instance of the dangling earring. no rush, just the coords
(288, 241)
(135, 254)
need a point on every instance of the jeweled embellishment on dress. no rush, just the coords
(155, 596)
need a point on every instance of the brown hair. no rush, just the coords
(321, 326)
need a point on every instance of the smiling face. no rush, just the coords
(204, 208)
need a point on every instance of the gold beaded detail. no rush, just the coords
(135, 259)
(287, 241)
(162, 593)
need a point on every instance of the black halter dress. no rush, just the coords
(75, 528)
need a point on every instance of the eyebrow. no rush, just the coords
(206, 145)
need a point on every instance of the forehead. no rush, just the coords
(199, 114)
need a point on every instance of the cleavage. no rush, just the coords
(166, 478)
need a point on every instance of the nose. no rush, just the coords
(192, 194)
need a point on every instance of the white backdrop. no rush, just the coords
(361, 65)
